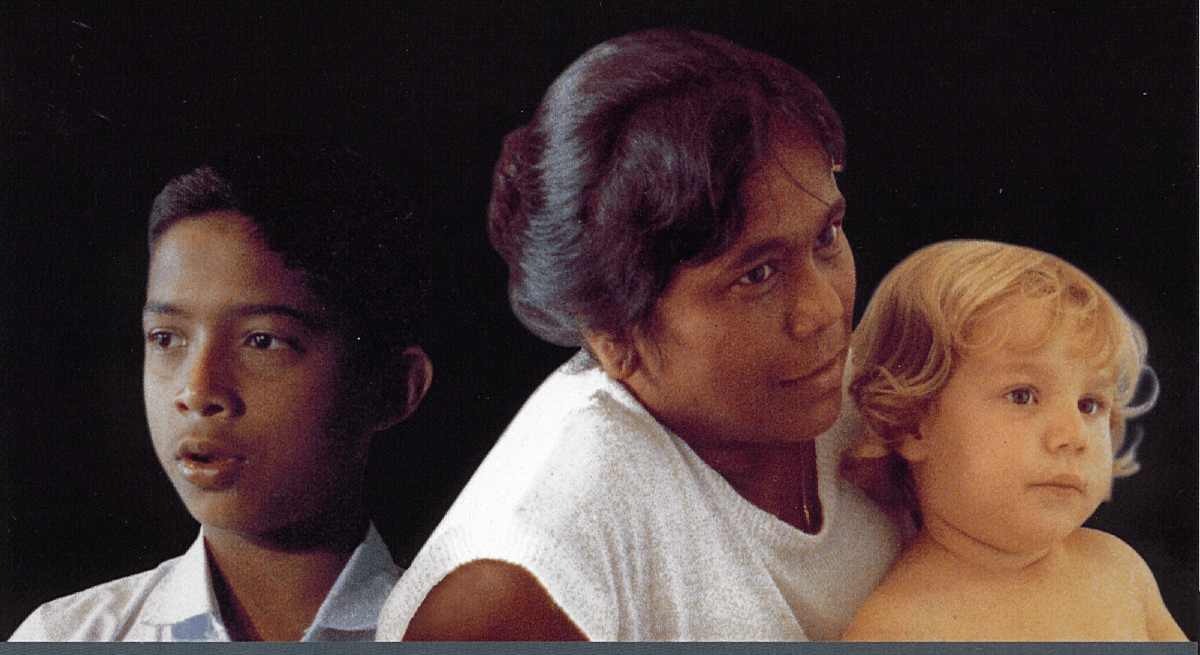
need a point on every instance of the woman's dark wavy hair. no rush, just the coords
(633, 166)
(330, 215)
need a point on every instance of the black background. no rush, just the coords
(1066, 129)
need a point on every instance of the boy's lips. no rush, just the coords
(207, 464)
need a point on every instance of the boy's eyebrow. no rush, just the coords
(161, 308)
(308, 320)
(242, 311)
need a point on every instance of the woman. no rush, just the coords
(672, 209)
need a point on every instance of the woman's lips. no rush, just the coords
(207, 464)
(820, 381)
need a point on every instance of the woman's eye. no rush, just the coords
(1020, 396)
(263, 341)
(1090, 406)
(758, 274)
(828, 236)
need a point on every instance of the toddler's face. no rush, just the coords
(243, 381)
(1016, 452)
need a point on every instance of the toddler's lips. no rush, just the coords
(1064, 483)
(207, 465)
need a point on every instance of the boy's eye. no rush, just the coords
(162, 339)
(828, 236)
(758, 274)
(1020, 396)
(263, 341)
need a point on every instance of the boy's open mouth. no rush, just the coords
(207, 464)
(203, 459)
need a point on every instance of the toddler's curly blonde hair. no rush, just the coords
(930, 311)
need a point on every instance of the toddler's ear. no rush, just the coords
(912, 446)
(418, 374)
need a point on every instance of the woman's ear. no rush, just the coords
(912, 446)
(618, 358)
(870, 447)
(418, 374)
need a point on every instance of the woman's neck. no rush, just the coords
(780, 479)
(270, 591)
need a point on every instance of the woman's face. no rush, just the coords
(750, 347)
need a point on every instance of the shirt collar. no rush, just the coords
(185, 592)
(352, 605)
(358, 594)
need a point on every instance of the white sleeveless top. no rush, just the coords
(636, 538)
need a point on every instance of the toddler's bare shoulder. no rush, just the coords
(1105, 557)
(900, 609)
(1118, 563)
(1104, 549)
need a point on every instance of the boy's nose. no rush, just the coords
(208, 389)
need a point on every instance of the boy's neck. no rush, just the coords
(271, 589)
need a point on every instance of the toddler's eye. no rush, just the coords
(1020, 396)
(1090, 406)
(828, 236)
(758, 274)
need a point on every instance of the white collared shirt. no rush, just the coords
(175, 602)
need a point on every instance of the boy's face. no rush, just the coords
(243, 383)
(1016, 452)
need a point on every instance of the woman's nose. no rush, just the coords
(209, 388)
(818, 303)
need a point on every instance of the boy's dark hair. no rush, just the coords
(331, 215)
(632, 166)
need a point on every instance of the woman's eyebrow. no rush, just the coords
(832, 211)
(757, 250)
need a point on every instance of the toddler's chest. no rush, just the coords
(1092, 606)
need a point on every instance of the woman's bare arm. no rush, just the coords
(490, 600)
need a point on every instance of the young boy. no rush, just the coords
(998, 379)
(284, 294)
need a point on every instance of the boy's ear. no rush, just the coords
(418, 374)
(618, 358)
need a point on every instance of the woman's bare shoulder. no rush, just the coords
(490, 600)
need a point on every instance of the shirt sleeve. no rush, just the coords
(33, 628)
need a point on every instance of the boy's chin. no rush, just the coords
(313, 532)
